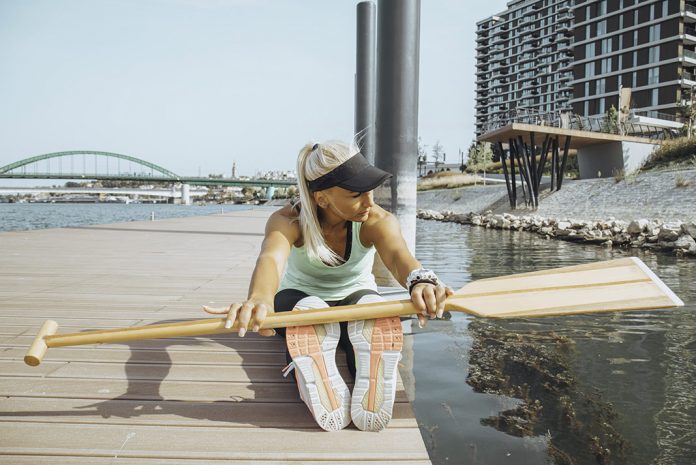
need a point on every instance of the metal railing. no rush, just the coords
(570, 120)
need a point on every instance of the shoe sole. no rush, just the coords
(321, 386)
(377, 345)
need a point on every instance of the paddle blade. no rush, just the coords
(615, 285)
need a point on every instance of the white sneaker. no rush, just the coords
(313, 351)
(377, 345)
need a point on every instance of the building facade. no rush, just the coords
(555, 56)
(644, 45)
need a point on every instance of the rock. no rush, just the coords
(669, 232)
(546, 230)
(637, 226)
(685, 242)
(608, 243)
(563, 225)
(652, 239)
(506, 223)
(622, 238)
(689, 228)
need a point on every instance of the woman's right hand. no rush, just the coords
(242, 313)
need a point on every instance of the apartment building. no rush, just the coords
(644, 45)
(524, 60)
(553, 56)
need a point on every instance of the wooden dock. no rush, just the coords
(200, 400)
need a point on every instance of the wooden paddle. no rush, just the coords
(623, 284)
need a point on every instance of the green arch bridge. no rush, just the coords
(98, 165)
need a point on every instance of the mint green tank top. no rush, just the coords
(331, 282)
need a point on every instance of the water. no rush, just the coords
(616, 388)
(23, 216)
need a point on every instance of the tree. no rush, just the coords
(422, 156)
(438, 154)
(687, 110)
(613, 116)
(480, 156)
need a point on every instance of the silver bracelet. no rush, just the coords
(421, 275)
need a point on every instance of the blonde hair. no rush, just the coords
(314, 161)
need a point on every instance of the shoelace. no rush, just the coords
(288, 369)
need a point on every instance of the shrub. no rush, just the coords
(681, 181)
(672, 151)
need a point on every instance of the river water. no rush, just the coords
(22, 216)
(615, 388)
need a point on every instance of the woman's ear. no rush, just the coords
(320, 199)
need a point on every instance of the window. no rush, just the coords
(587, 88)
(606, 46)
(589, 50)
(665, 8)
(654, 97)
(635, 78)
(654, 54)
(653, 75)
(601, 86)
(602, 8)
(587, 107)
(606, 65)
(635, 58)
(652, 12)
(601, 106)
(654, 32)
(589, 69)
(602, 27)
(635, 37)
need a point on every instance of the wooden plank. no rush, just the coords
(176, 391)
(78, 460)
(223, 413)
(136, 441)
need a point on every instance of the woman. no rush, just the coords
(328, 240)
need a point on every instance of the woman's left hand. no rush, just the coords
(429, 300)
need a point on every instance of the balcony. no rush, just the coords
(690, 14)
(688, 80)
(689, 35)
(689, 57)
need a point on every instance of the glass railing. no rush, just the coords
(690, 54)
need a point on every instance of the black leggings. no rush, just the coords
(286, 300)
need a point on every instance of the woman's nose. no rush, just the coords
(368, 199)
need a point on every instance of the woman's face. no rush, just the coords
(348, 205)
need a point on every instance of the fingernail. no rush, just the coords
(420, 324)
(228, 324)
(242, 332)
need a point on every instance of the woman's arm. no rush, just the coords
(385, 233)
(280, 234)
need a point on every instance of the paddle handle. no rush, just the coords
(47, 339)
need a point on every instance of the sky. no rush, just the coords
(193, 85)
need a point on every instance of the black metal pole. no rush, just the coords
(505, 173)
(365, 78)
(512, 172)
(563, 163)
(396, 147)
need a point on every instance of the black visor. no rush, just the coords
(356, 174)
